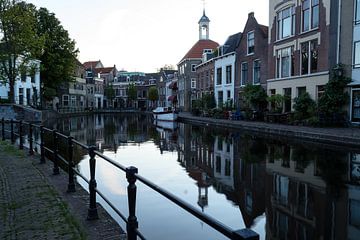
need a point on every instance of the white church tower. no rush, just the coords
(204, 23)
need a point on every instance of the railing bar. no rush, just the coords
(16, 134)
(140, 234)
(207, 219)
(111, 205)
(35, 125)
(47, 129)
(49, 150)
(80, 175)
(81, 144)
(62, 159)
(61, 135)
(111, 161)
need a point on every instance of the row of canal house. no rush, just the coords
(304, 42)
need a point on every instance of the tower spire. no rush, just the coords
(204, 25)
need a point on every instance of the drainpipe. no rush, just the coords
(338, 33)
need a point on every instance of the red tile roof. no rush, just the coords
(104, 70)
(90, 64)
(197, 50)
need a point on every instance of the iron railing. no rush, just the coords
(132, 176)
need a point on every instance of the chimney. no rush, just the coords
(251, 14)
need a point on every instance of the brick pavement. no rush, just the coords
(34, 204)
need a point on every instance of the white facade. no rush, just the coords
(224, 162)
(226, 88)
(26, 89)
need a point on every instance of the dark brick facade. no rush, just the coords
(205, 78)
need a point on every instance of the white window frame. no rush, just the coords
(311, 27)
(279, 75)
(356, 13)
(63, 100)
(292, 25)
(217, 76)
(193, 67)
(226, 74)
(309, 57)
(241, 74)
(256, 60)
(356, 50)
(247, 42)
(193, 83)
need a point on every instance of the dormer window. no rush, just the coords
(207, 51)
(286, 23)
(250, 43)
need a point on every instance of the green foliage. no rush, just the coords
(254, 97)
(208, 101)
(228, 105)
(334, 97)
(304, 106)
(153, 94)
(19, 42)
(58, 55)
(109, 92)
(276, 101)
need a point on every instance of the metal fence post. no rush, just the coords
(42, 150)
(92, 211)
(71, 184)
(56, 169)
(31, 149)
(132, 223)
(12, 131)
(245, 234)
(3, 128)
(21, 146)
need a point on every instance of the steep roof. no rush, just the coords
(197, 50)
(104, 70)
(231, 43)
(264, 29)
(90, 64)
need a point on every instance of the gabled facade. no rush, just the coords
(251, 57)
(224, 67)
(94, 84)
(186, 67)
(303, 47)
(205, 76)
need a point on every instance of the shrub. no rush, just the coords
(276, 102)
(255, 97)
(304, 107)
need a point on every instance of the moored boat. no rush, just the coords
(165, 114)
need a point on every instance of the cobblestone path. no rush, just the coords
(30, 208)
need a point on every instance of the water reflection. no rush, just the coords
(305, 191)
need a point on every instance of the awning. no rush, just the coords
(173, 85)
(172, 98)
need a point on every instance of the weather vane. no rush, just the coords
(203, 3)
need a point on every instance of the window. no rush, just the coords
(301, 91)
(228, 74)
(287, 99)
(309, 57)
(65, 100)
(218, 164)
(250, 43)
(32, 78)
(207, 51)
(286, 23)
(357, 12)
(218, 76)
(320, 91)
(73, 101)
(256, 71)
(193, 83)
(227, 167)
(228, 94)
(220, 98)
(284, 63)
(193, 67)
(356, 54)
(220, 144)
(244, 73)
(310, 14)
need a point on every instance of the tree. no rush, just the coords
(19, 42)
(304, 106)
(132, 93)
(58, 56)
(109, 92)
(254, 97)
(153, 94)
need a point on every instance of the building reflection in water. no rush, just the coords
(306, 191)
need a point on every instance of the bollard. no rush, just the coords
(42, 150)
(21, 145)
(71, 184)
(132, 223)
(12, 131)
(92, 211)
(31, 148)
(3, 128)
(56, 169)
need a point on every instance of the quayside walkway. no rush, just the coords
(343, 136)
(34, 203)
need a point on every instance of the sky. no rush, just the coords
(144, 35)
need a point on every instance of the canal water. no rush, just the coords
(280, 188)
